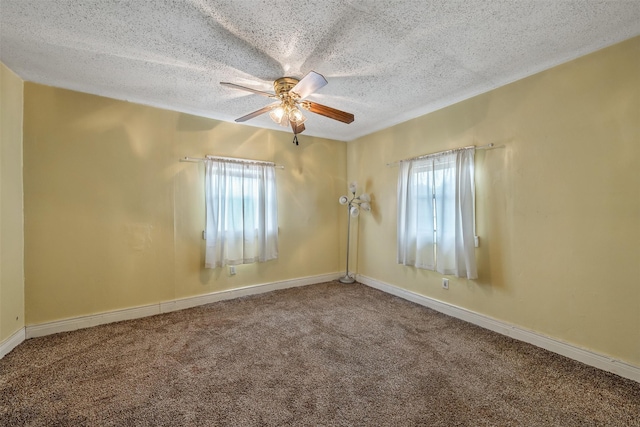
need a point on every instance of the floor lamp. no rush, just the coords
(354, 205)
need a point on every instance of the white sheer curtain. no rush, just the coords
(242, 216)
(436, 198)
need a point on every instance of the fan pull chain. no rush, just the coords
(295, 138)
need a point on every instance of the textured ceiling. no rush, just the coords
(386, 61)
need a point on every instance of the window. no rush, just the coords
(436, 204)
(242, 215)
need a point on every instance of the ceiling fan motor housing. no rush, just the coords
(283, 85)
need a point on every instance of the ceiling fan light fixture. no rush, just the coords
(277, 114)
(284, 122)
(296, 116)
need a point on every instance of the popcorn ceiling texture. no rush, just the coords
(386, 61)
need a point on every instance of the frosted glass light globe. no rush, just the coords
(296, 116)
(343, 200)
(277, 114)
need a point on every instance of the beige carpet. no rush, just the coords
(321, 355)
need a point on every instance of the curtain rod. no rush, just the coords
(424, 156)
(229, 159)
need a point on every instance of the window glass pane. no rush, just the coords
(241, 213)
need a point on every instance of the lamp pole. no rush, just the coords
(347, 278)
(354, 205)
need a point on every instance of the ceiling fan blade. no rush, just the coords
(332, 113)
(248, 89)
(309, 84)
(297, 128)
(258, 112)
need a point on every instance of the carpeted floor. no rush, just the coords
(320, 355)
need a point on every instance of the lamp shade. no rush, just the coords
(365, 197)
(354, 211)
(285, 121)
(353, 186)
(343, 200)
(277, 114)
(365, 206)
(295, 116)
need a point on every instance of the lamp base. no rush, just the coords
(346, 279)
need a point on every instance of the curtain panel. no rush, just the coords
(436, 214)
(241, 213)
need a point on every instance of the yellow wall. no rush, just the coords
(11, 216)
(113, 220)
(558, 206)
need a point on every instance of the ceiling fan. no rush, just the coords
(290, 94)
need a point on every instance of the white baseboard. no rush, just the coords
(12, 342)
(565, 349)
(81, 322)
(195, 301)
(72, 324)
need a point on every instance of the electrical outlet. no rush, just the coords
(232, 270)
(445, 283)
